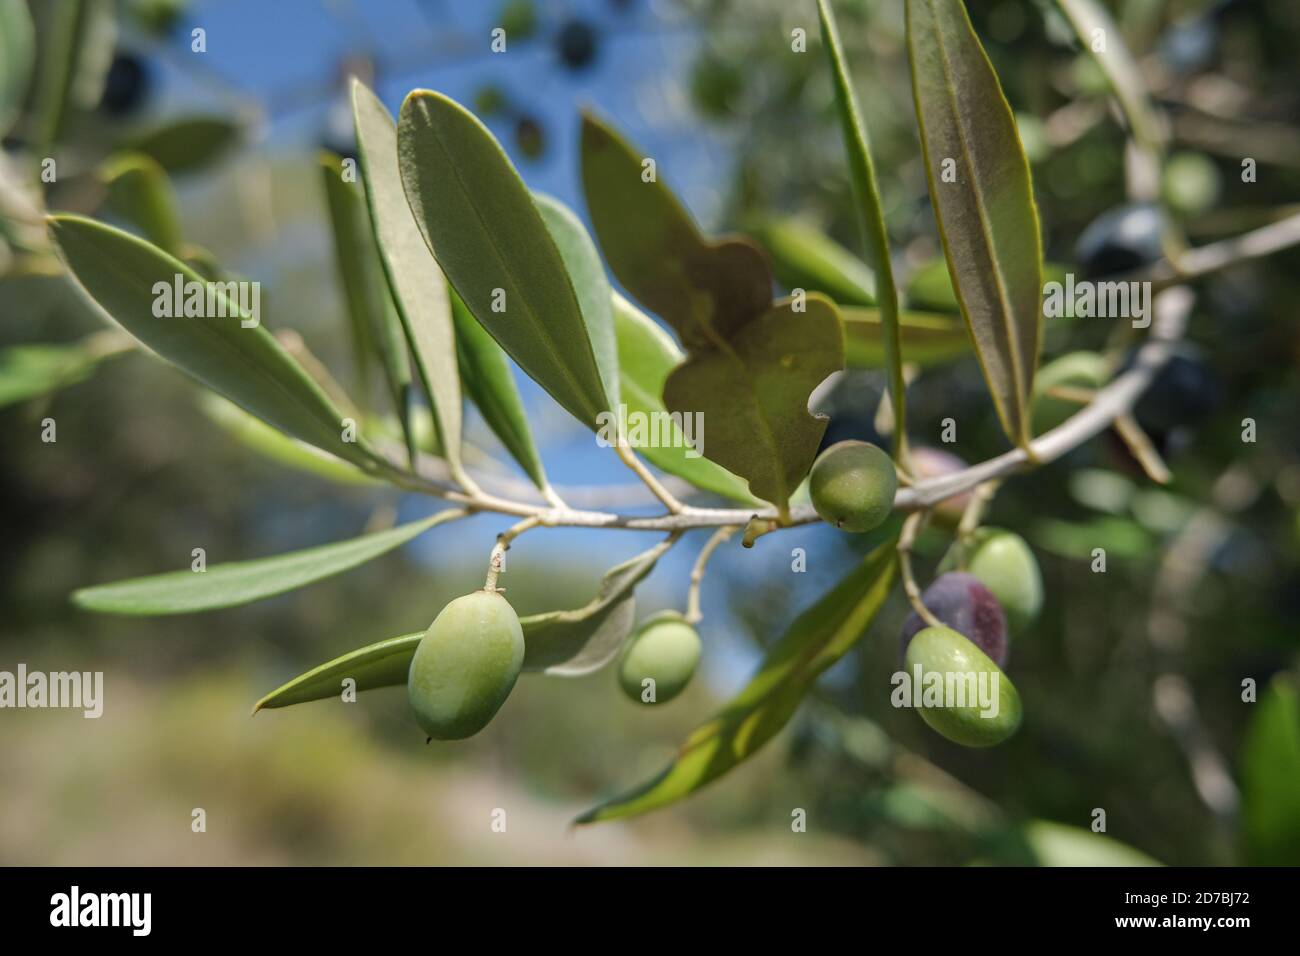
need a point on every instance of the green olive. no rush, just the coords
(659, 659)
(1084, 370)
(465, 665)
(990, 711)
(852, 484)
(1005, 565)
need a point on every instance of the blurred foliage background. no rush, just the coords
(1132, 679)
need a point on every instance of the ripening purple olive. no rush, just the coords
(963, 603)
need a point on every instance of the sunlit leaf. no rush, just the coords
(488, 381)
(983, 201)
(751, 364)
(646, 355)
(384, 664)
(1055, 844)
(928, 339)
(1270, 777)
(495, 249)
(804, 257)
(418, 286)
(818, 638)
(241, 582)
(138, 192)
(27, 371)
(127, 276)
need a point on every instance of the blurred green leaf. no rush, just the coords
(418, 286)
(818, 638)
(751, 363)
(930, 288)
(647, 354)
(17, 56)
(490, 384)
(74, 47)
(1055, 844)
(1270, 778)
(27, 371)
(872, 219)
(138, 191)
(492, 243)
(242, 582)
(590, 285)
(1118, 537)
(983, 201)
(184, 145)
(928, 339)
(804, 257)
(246, 364)
(365, 285)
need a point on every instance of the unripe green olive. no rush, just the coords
(659, 659)
(941, 650)
(852, 484)
(1084, 370)
(1005, 565)
(465, 665)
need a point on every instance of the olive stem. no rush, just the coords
(497, 559)
(630, 459)
(906, 539)
(693, 615)
(979, 502)
(1141, 448)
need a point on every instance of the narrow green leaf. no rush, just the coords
(491, 386)
(804, 257)
(558, 643)
(28, 371)
(928, 338)
(384, 664)
(60, 28)
(930, 288)
(17, 56)
(1270, 777)
(419, 288)
(577, 642)
(590, 285)
(138, 191)
(983, 200)
(817, 639)
(277, 446)
(1056, 844)
(128, 277)
(494, 247)
(242, 582)
(752, 363)
(647, 355)
(365, 286)
(872, 219)
(184, 145)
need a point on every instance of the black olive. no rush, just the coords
(126, 86)
(576, 43)
(1120, 240)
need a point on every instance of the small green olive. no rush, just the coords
(1085, 370)
(852, 484)
(977, 705)
(659, 659)
(1005, 565)
(465, 665)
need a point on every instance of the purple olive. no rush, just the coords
(963, 603)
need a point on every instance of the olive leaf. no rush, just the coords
(928, 338)
(751, 363)
(17, 56)
(558, 643)
(75, 43)
(138, 192)
(1057, 844)
(862, 173)
(125, 275)
(418, 286)
(818, 638)
(1270, 777)
(646, 356)
(184, 145)
(278, 447)
(28, 371)
(374, 317)
(486, 376)
(241, 582)
(804, 257)
(488, 235)
(983, 201)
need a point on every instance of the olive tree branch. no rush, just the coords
(911, 528)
